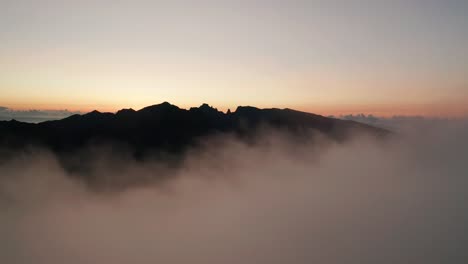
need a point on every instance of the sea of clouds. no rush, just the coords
(400, 200)
(33, 116)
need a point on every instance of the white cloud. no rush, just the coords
(398, 201)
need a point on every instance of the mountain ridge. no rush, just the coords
(167, 128)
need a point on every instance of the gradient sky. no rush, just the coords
(325, 56)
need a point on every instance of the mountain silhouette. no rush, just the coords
(166, 128)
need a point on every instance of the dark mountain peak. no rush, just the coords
(291, 110)
(206, 109)
(91, 117)
(205, 106)
(246, 109)
(166, 103)
(96, 115)
(163, 107)
(125, 111)
(13, 123)
(93, 113)
(72, 117)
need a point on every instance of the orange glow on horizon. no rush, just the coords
(382, 110)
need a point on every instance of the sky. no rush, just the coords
(329, 57)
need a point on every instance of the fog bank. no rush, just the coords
(398, 201)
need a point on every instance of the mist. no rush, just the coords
(401, 200)
(34, 115)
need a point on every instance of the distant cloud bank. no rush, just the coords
(33, 116)
(396, 123)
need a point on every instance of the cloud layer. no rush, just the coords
(402, 123)
(399, 201)
(33, 116)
